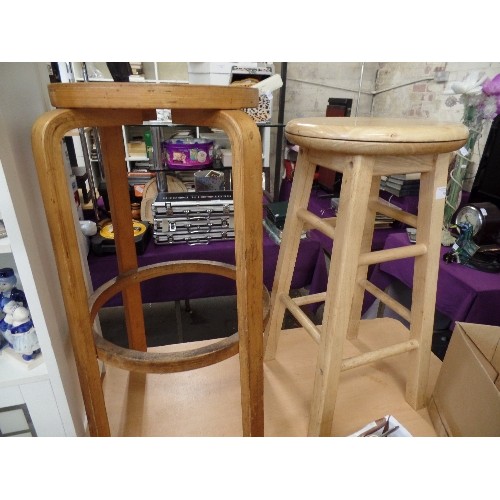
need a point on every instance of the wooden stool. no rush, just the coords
(363, 149)
(109, 106)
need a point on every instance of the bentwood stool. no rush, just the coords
(363, 149)
(109, 106)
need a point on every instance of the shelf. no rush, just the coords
(5, 245)
(14, 372)
(271, 125)
(136, 158)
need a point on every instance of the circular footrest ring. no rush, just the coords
(148, 362)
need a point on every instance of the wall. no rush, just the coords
(426, 100)
(414, 92)
(310, 85)
(23, 98)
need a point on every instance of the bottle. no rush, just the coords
(136, 211)
(149, 144)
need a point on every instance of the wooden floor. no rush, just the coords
(206, 402)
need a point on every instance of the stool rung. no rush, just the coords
(399, 215)
(369, 258)
(310, 299)
(301, 317)
(386, 299)
(384, 352)
(328, 228)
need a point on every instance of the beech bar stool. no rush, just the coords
(108, 106)
(363, 149)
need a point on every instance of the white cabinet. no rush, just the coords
(49, 388)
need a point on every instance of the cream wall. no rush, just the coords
(310, 85)
(414, 91)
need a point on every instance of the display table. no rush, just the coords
(463, 294)
(310, 270)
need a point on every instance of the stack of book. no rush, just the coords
(401, 184)
(138, 179)
(383, 221)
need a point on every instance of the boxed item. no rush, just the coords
(187, 154)
(136, 148)
(276, 213)
(210, 73)
(466, 397)
(262, 78)
(227, 158)
(209, 180)
(193, 217)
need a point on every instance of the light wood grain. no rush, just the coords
(299, 198)
(363, 149)
(150, 96)
(389, 131)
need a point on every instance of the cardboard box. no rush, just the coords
(210, 73)
(466, 397)
(136, 148)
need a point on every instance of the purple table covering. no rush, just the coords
(463, 294)
(320, 205)
(310, 270)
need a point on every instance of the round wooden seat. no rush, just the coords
(376, 136)
(150, 96)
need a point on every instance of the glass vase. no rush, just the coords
(462, 160)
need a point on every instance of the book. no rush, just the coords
(399, 192)
(401, 182)
(406, 177)
(402, 187)
(274, 232)
(276, 213)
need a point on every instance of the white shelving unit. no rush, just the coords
(48, 387)
(154, 72)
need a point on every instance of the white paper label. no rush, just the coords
(464, 151)
(441, 193)
(484, 212)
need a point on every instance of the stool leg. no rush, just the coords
(354, 196)
(366, 246)
(425, 274)
(247, 193)
(299, 198)
(48, 132)
(113, 153)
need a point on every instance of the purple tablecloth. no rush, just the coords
(320, 204)
(310, 270)
(463, 294)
